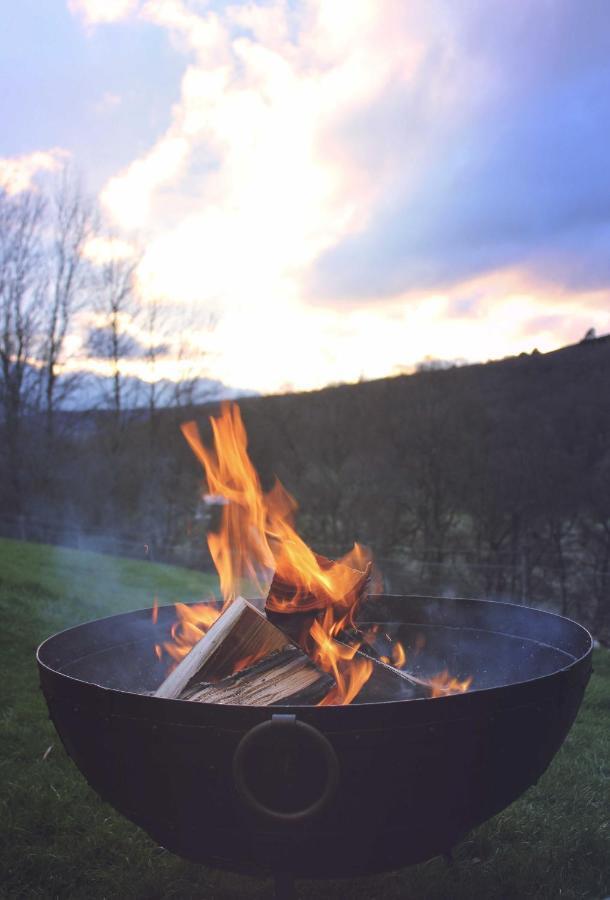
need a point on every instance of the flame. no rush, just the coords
(257, 541)
(193, 622)
(240, 549)
(350, 673)
(257, 545)
(443, 684)
(399, 657)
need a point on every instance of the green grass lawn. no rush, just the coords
(60, 840)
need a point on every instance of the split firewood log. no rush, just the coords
(245, 659)
(285, 677)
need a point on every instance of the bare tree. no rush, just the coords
(158, 332)
(69, 274)
(21, 290)
(168, 337)
(110, 339)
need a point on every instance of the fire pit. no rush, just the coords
(322, 791)
(354, 764)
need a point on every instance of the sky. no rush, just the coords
(343, 187)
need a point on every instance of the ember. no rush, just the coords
(257, 544)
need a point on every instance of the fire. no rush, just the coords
(193, 622)
(333, 656)
(443, 684)
(399, 657)
(240, 549)
(257, 546)
(257, 539)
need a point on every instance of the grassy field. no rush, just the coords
(60, 840)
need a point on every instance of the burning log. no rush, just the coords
(294, 609)
(245, 659)
(287, 598)
(298, 612)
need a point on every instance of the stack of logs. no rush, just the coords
(257, 659)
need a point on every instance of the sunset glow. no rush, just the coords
(326, 175)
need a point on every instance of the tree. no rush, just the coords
(22, 284)
(68, 275)
(110, 338)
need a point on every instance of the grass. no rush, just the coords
(58, 839)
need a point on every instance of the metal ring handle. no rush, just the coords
(322, 743)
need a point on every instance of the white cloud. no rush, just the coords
(18, 173)
(254, 112)
(128, 197)
(96, 12)
(100, 249)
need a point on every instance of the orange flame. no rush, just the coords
(257, 542)
(443, 684)
(240, 549)
(193, 622)
(257, 538)
(399, 657)
(350, 673)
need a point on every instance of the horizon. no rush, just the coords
(205, 391)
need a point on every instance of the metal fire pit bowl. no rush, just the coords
(322, 791)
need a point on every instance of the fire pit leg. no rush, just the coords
(284, 887)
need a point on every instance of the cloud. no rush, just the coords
(99, 344)
(529, 186)
(363, 184)
(96, 12)
(520, 176)
(100, 249)
(248, 185)
(18, 173)
(129, 196)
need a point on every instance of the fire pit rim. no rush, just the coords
(330, 711)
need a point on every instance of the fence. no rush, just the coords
(43, 531)
(572, 590)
